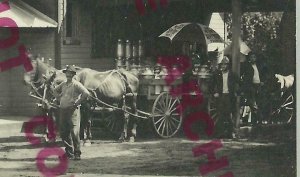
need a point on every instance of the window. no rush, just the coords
(111, 24)
(71, 31)
(69, 21)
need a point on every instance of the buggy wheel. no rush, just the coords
(112, 121)
(165, 117)
(212, 109)
(286, 110)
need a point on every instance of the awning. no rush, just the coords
(26, 16)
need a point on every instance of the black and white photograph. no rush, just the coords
(148, 88)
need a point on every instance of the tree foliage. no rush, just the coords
(260, 30)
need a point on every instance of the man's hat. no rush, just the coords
(69, 68)
(225, 60)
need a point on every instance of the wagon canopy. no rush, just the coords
(192, 32)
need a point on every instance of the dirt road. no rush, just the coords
(263, 156)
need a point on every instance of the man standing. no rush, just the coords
(70, 93)
(251, 84)
(223, 91)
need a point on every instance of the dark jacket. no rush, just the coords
(217, 82)
(247, 73)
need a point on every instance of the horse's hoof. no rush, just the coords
(133, 132)
(121, 140)
(122, 137)
(87, 143)
(131, 139)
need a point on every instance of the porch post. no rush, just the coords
(236, 35)
(61, 11)
(57, 62)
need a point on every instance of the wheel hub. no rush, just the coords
(168, 113)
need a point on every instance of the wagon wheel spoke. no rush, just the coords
(161, 106)
(212, 110)
(112, 126)
(175, 108)
(176, 120)
(166, 126)
(158, 115)
(288, 101)
(111, 122)
(161, 111)
(162, 118)
(169, 125)
(167, 100)
(288, 112)
(288, 108)
(171, 106)
(172, 123)
(170, 102)
(287, 104)
(160, 125)
(214, 115)
(285, 112)
(287, 115)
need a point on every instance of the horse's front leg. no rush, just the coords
(85, 124)
(51, 126)
(126, 120)
(124, 134)
(134, 119)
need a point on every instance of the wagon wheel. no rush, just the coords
(212, 109)
(285, 111)
(165, 118)
(112, 121)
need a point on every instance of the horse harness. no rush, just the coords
(122, 77)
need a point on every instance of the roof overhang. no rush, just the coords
(218, 5)
(26, 16)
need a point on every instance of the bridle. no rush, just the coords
(36, 80)
(40, 89)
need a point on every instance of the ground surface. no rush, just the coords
(266, 154)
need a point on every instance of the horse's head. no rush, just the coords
(41, 72)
